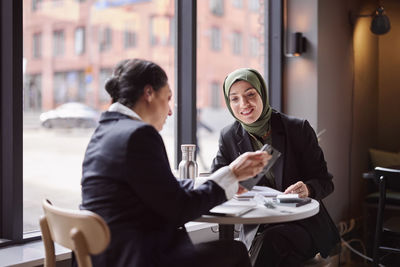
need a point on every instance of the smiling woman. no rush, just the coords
(246, 102)
(301, 169)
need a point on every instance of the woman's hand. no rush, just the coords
(249, 164)
(241, 190)
(299, 188)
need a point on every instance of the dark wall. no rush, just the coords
(347, 83)
(335, 79)
(389, 82)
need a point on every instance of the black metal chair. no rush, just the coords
(389, 229)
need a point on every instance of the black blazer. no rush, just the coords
(301, 159)
(127, 180)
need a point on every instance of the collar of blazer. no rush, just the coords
(113, 115)
(278, 142)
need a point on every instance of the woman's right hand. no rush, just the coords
(249, 164)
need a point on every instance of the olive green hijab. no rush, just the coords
(261, 126)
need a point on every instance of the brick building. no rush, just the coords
(70, 46)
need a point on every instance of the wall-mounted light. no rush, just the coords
(380, 23)
(296, 44)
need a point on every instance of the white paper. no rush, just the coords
(264, 191)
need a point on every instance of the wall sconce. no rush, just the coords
(380, 23)
(296, 45)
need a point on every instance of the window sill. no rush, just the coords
(32, 253)
(29, 254)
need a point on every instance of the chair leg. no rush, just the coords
(50, 258)
(379, 220)
(80, 250)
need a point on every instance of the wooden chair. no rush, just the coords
(390, 228)
(82, 231)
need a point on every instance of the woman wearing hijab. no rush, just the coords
(127, 180)
(301, 169)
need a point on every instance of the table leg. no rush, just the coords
(226, 231)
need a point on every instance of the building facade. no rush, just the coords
(71, 46)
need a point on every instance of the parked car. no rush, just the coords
(70, 115)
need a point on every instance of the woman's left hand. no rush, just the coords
(299, 188)
(241, 190)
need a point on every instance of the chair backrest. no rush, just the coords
(385, 177)
(82, 231)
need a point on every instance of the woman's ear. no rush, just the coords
(148, 93)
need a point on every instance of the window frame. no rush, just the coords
(11, 92)
(237, 43)
(105, 38)
(58, 43)
(80, 31)
(217, 7)
(129, 39)
(37, 45)
(11, 203)
(215, 39)
(215, 95)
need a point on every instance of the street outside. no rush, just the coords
(52, 161)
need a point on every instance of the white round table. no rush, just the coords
(259, 215)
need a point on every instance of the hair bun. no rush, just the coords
(112, 87)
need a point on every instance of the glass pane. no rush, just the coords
(70, 48)
(230, 35)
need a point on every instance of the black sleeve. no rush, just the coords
(221, 159)
(315, 172)
(150, 177)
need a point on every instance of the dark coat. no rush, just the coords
(302, 160)
(127, 180)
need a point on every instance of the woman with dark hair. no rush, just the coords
(127, 180)
(301, 169)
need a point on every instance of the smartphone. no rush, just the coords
(250, 183)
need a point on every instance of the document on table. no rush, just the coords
(264, 191)
(233, 208)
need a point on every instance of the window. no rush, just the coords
(237, 3)
(69, 87)
(36, 4)
(129, 39)
(213, 67)
(105, 39)
(58, 43)
(38, 162)
(51, 155)
(33, 93)
(104, 75)
(254, 46)
(216, 92)
(161, 31)
(216, 39)
(57, 3)
(217, 7)
(254, 5)
(237, 43)
(37, 45)
(80, 40)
